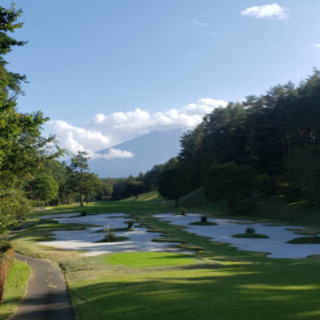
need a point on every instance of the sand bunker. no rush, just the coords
(85, 240)
(275, 245)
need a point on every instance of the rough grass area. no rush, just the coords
(305, 240)
(250, 235)
(14, 289)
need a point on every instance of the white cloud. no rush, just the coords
(317, 45)
(115, 153)
(267, 11)
(106, 131)
(200, 23)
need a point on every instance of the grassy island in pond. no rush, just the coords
(250, 235)
(201, 223)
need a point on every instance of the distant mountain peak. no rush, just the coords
(147, 151)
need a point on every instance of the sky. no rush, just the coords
(105, 71)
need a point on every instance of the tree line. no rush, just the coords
(267, 144)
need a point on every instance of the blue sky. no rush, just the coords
(87, 60)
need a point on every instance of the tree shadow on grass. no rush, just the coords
(227, 293)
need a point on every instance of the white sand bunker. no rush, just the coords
(275, 245)
(85, 240)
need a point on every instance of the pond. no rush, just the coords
(276, 245)
(139, 239)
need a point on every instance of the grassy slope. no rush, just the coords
(220, 282)
(14, 289)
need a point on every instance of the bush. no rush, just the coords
(83, 214)
(130, 225)
(250, 231)
(203, 222)
(204, 219)
(109, 234)
(4, 246)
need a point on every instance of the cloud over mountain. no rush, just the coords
(106, 131)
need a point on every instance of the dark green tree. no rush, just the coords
(229, 181)
(23, 151)
(44, 188)
(171, 182)
(135, 188)
(191, 156)
(92, 186)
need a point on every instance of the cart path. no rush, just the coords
(47, 296)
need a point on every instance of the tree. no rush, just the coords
(44, 188)
(191, 157)
(79, 166)
(229, 181)
(151, 178)
(23, 151)
(171, 181)
(135, 188)
(92, 186)
(105, 191)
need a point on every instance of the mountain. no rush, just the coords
(148, 150)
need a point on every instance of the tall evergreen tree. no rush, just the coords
(80, 166)
(22, 148)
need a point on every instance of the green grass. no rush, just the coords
(195, 197)
(148, 196)
(250, 235)
(305, 240)
(274, 290)
(218, 282)
(149, 259)
(15, 288)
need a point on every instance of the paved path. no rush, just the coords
(47, 295)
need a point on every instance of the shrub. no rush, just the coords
(83, 214)
(109, 234)
(250, 230)
(4, 246)
(204, 219)
(130, 225)
(203, 222)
